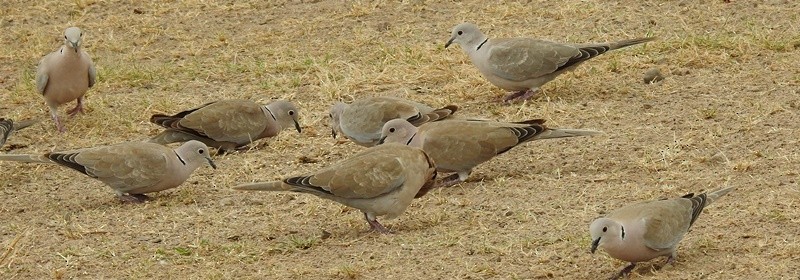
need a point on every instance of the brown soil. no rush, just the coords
(725, 115)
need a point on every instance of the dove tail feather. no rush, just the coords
(67, 160)
(630, 42)
(444, 112)
(564, 133)
(6, 127)
(24, 158)
(24, 123)
(264, 186)
(713, 196)
(590, 51)
(699, 202)
(165, 121)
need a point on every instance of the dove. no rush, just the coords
(131, 169)
(461, 145)
(525, 64)
(379, 181)
(362, 120)
(7, 126)
(647, 230)
(227, 124)
(65, 75)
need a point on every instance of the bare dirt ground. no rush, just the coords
(726, 115)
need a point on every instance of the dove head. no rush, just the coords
(605, 231)
(335, 114)
(285, 113)
(72, 38)
(397, 131)
(467, 35)
(194, 153)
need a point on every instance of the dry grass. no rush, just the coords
(726, 115)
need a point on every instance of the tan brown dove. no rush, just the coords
(362, 120)
(524, 64)
(647, 230)
(65, 75)
(379, 181)
(461, 145)
(131, 169)
(227, 124)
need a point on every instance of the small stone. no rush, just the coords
(226, 201)
(652, 76)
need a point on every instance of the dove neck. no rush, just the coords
(481, 45)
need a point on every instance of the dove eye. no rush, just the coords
(65, 36)
(460, 32)
(291, 113)
(391, 129)
(605, 229)
(200, 151)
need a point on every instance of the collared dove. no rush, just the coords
(461, 145)
(227, 124)
(131, 169)
(8, 126)
(362, 120)
(525, 64)
(65, 75)
(646, 230)
(379, 181)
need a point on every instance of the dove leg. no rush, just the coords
(625, 271)
(78, 108)
(428, 186)
(375, 225)
(133, 198)
(54, 115)
(521, 95)
(454, 179)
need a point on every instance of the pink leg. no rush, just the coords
(520, 95)
(78, 108)
(375, 225)
(133, 198)
(625, 271)
(449, 181)
(54, 115)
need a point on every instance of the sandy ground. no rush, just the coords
(726, 115)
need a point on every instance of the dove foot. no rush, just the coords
(134, 198)
(428, 186)
(59, 126)
(449, 181)
(376, 226)
(78, 108)
(624, 272)
(520, 95)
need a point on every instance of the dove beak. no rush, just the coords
(595, 243)
(297, 126)
(383, 139)
(449, 42)
(333, 133)
(211, 163)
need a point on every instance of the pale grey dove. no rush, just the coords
(461, 145)
(131, 169)
(65, 75)
(8, 126)
(227, 124)
(379, 181)
(525, 64)
(362, 120)
(646, 230)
